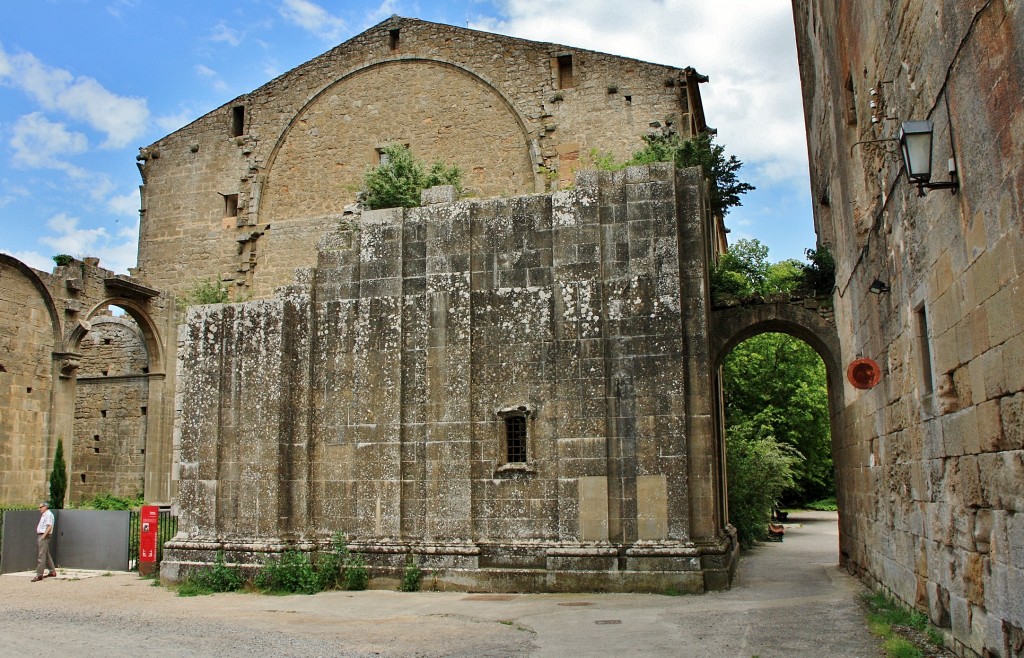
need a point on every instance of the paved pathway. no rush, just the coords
(790, 599)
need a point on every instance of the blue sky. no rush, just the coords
(85, 83)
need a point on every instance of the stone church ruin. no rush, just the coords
(518, 390)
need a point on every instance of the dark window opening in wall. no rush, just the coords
(96, 450)
(145, 370)
(515, 439)
(103, 413)
(629, 100)
(924, 350)
(231, 205)
(851, 102)
(566, 79)
(95, 437)
(82, 476)
(237, 120)
(142, 452)
(104, 372)
(28, 389)
(393, 36)
(142, 411)
(107, 341)
(2, 368)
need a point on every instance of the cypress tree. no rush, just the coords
(58, 478)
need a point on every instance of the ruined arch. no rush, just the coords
(118, 414)
(30, 360)
(324, 149)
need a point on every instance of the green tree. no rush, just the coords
(759, 469)
(777, 383)
(58, 478)
(400, 178)
(699, 151)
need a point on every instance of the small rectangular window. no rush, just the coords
(237, 120)
(566, 80)
(393, 39)
(231, 205)
(515, 439)
(924, 350)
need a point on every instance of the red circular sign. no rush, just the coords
(864, 373)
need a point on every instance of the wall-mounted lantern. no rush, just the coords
(877, 287)
(916, 145)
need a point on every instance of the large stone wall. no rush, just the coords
(931, 461)
(370, 397)
(295, 150)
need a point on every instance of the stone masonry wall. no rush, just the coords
(495, 106)
(111, 410)
(382, 379)
(931, 462)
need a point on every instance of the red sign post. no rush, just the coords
(149, 520)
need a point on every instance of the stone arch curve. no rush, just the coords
(44, 293)
(730, 327)
(265, 176)
(150, 334)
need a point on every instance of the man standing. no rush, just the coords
(43, 532)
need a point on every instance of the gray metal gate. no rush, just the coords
(83, 539)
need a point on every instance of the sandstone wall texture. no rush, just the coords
(243, 193)
(931, 461)
(374, 396)
(111, 398)
(46, 337)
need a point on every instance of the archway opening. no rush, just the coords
(112, 401)
(775, 416)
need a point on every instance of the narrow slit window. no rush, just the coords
(231, 205)
(393, 36)
(851, 102)
(237, 121)
(515, 439)
(924, 350)
(566, 79)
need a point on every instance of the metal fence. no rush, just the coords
(167, 526)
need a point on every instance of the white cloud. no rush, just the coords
(172, 122)
(206, 72)
(126, 206)
(39, 142)
(116, 253)
(32, 259)
(314, 19)
(83, 99)
(221, 33)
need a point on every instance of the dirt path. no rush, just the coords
(789, 600)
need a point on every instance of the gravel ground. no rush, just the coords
(789, 599)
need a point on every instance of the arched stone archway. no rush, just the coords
(731, 326)
(106, 405)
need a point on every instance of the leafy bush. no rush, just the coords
(411, 577)
(823, 505)
(820, 272)
(400, 178)
(759, 470)
(207, 291)
(218, 578)
(292, 573)
(63, 260)
(106, 501)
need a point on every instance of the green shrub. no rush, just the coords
(824, 505)
(411, 577)
(759, 469)
(63, 260)
(398, 181)
(106, 501)
(820, 271)
(291, 573)
(356, 575)
(218, 578)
